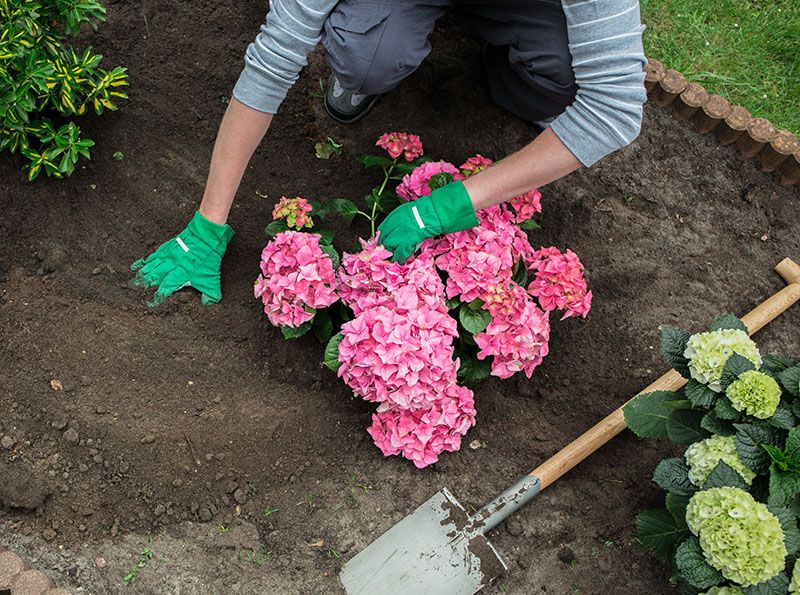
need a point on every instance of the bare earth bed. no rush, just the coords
(673, 230)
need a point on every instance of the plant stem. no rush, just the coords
(386, 174)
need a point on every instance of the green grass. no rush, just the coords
(748, 51)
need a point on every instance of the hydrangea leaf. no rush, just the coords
(676, 504)
(520, 273)
(290, 332)
(777, 585)
(529, 225)
(692, 566)
(673, 344)
(784, 485)
(453, 303)
(735, 365)
(331, 251)
(341, 206)
(374, 161)
(657, 531)
(683, 426)
(672, 475)
(724, 475)
(715, 425)
(749, 438)
(790, 379)
(475, 321)
(729, 321)
(331, 358)
(792, 447)
(777, 363)
(439, 180)
(322, 325)
(782, 418)
(700, 395)
(724, 409)
(646, 414)
(402, 168)
(472, 369)
(276, 227)
(791, 534)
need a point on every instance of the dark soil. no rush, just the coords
(178, 426)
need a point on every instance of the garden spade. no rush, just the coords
(440, 549)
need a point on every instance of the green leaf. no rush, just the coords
(276, 227)
(529, 224)
(646, 415)
(404, 167)
(331, 358)
(672, 475)
(782, 418)
(331, 251)
(290, 332)
(684, 426)
(791, 534)
(439, 180)
(673, 344)
(471, 369)
(792, 447)
(724, 409)
(322, 325)
(716, 425)
(341, 206)
(777, 363)
(729, 321)
(475, 321)
(749, 438)
(520, 276)
(657, 531)
(692, 566)
(373, 161)
(700, 395)
(453, 303)
(735, 366)
(777, 585)
(783, 485)
(723, 475)
(327, 149)
(676, 504)
(790, 379)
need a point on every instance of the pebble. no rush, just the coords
(240, 496)
(160, 510)
(96, 270)
(31, 581)
(205, 514)
(100, 563)
(10, 566)
(217, 400)
(71, 436)
(7, 442)
(177, 483)
(83, 468)
(148, 439)
(49, 534)
(101, 410)
(60, 424)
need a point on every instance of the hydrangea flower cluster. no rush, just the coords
(702, 457)
(755, 393)
(296, 278)
(794, 585)
(415, 185)
(473, 165)
(739, 536)
(724, 591)
(558, 282)
(401, 143)
(709, 352)
(295, 211)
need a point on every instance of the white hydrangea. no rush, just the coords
(709, 352)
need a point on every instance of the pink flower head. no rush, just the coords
(473, 165)
(295, 211)
(415, 184)
(516, 343)
(526, 205)
(505, 299)
(401, 143)
(421, 435)
(297, 277)
(558, 282)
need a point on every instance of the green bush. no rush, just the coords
(42, 77)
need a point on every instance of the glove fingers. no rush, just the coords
(207, 299)
(402, 253)
(175, 280)
(153, 273)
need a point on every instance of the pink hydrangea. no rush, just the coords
(295, 211)
(558, 282)
(518, 342)
(421, 435)
(473, 165)
(401, 143)
(526, 205)
(415, 184)
(297, 277)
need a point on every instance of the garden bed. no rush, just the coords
(192, 424)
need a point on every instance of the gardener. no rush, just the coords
(572, 68)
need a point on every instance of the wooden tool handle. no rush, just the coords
(597, 436)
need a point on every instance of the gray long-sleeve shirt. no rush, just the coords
(605, 40)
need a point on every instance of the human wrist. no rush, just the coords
(216, 235)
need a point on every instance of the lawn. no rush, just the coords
(746, 51)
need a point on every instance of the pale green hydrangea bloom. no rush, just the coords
(708, 352)
(724, 591)
(702, 457)
(739, 536)
(794, 586)
(755, 393)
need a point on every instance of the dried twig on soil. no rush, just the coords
(191, 447)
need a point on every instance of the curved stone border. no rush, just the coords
(777, 150)
(18, 578)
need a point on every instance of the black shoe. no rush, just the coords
(344, 106)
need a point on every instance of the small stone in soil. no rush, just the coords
(60, 424)
(48, 534)
(240, 495)
(71, 436)
(148, 439)
(7, 442)
(205, 514)
(100, 563)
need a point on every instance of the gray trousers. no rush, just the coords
(372, 45)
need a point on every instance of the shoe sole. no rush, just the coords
(344, 119)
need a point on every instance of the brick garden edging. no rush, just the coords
(18, 578)
(777, 150)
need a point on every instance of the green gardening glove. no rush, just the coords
(191, 259)
(446, 210)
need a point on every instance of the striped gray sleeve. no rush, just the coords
(605, 39)
(273, 61)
